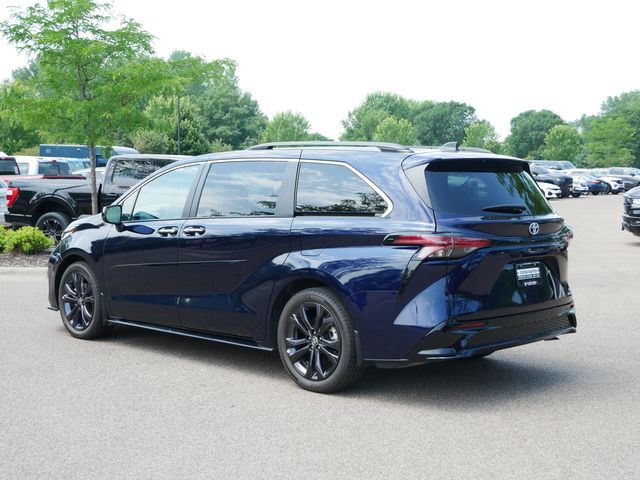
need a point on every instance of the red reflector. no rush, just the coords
(12, 195)
(473, 325)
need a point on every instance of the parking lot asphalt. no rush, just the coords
(146, 405)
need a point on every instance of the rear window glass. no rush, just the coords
(53, 168)
(482, 187)
(8, 167)
(127, 173)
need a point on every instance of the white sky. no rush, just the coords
(321, 59)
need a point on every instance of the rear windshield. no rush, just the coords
(480, 187)
(8, 167)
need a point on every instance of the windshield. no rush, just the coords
(484, 188)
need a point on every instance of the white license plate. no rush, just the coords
(528, 275)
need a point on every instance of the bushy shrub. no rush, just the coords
(24, 240)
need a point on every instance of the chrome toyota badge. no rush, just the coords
(534, 228)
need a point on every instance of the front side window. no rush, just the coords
(241, 189)
(164, 197)
(327, 189)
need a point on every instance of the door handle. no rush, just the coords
(193, 231)
(168, 231)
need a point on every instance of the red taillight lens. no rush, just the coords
(12, 195)
(568, 234)
(439, 246)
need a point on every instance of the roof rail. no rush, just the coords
(382, 146)
(452, 146)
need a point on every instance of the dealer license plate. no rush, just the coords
(528, 274)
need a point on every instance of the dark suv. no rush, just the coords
(339, 256)
(559, 179)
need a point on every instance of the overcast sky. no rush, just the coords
(321, 59)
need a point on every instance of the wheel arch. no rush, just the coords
(71, 258)
(48, 207)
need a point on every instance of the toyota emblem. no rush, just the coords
(534, 228)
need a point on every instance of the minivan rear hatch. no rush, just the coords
(523, 267)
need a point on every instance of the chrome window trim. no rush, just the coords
(362, 177)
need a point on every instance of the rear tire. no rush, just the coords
(317, 343)
(53, 224)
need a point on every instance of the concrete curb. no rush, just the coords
(23, 271)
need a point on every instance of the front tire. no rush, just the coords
(317, 343)
(53, 224)
(80, 302)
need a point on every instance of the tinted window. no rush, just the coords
(127, 173)
(53, 168)
(8, 167)
(335, 189)
(163, 197)
(483, 188)
(239, 189)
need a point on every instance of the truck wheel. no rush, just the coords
(53, 224)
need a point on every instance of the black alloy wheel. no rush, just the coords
(80, 302)
(53, 224)
(317, 343)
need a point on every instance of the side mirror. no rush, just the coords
(112, 214)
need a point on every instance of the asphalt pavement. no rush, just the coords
(145, 405)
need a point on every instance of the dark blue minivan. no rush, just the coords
(340, 256)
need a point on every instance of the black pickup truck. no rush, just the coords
(51, 204)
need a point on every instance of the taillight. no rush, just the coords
(567, 236)
(12, 195)
(438, 246)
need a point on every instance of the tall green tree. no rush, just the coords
(481, 135)
(562, 143)
(13, 134)
(610, 141)
(627, 106)
(528, 132)
(230, 116)
(362, 122)
(287, 127)
(442, 122)
(395, 130)
(94, 67)
(162, 113)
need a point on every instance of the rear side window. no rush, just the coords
(241, 189)
(481, 187)
(327, 189)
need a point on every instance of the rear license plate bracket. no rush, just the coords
(528, 274)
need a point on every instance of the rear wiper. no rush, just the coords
(505, 208)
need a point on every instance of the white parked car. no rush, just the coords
(550, 190)
(42, 165)
(580, 187)
(614, 185)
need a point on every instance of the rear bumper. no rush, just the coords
(454, 339)
(631, 223)
(18, 220)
